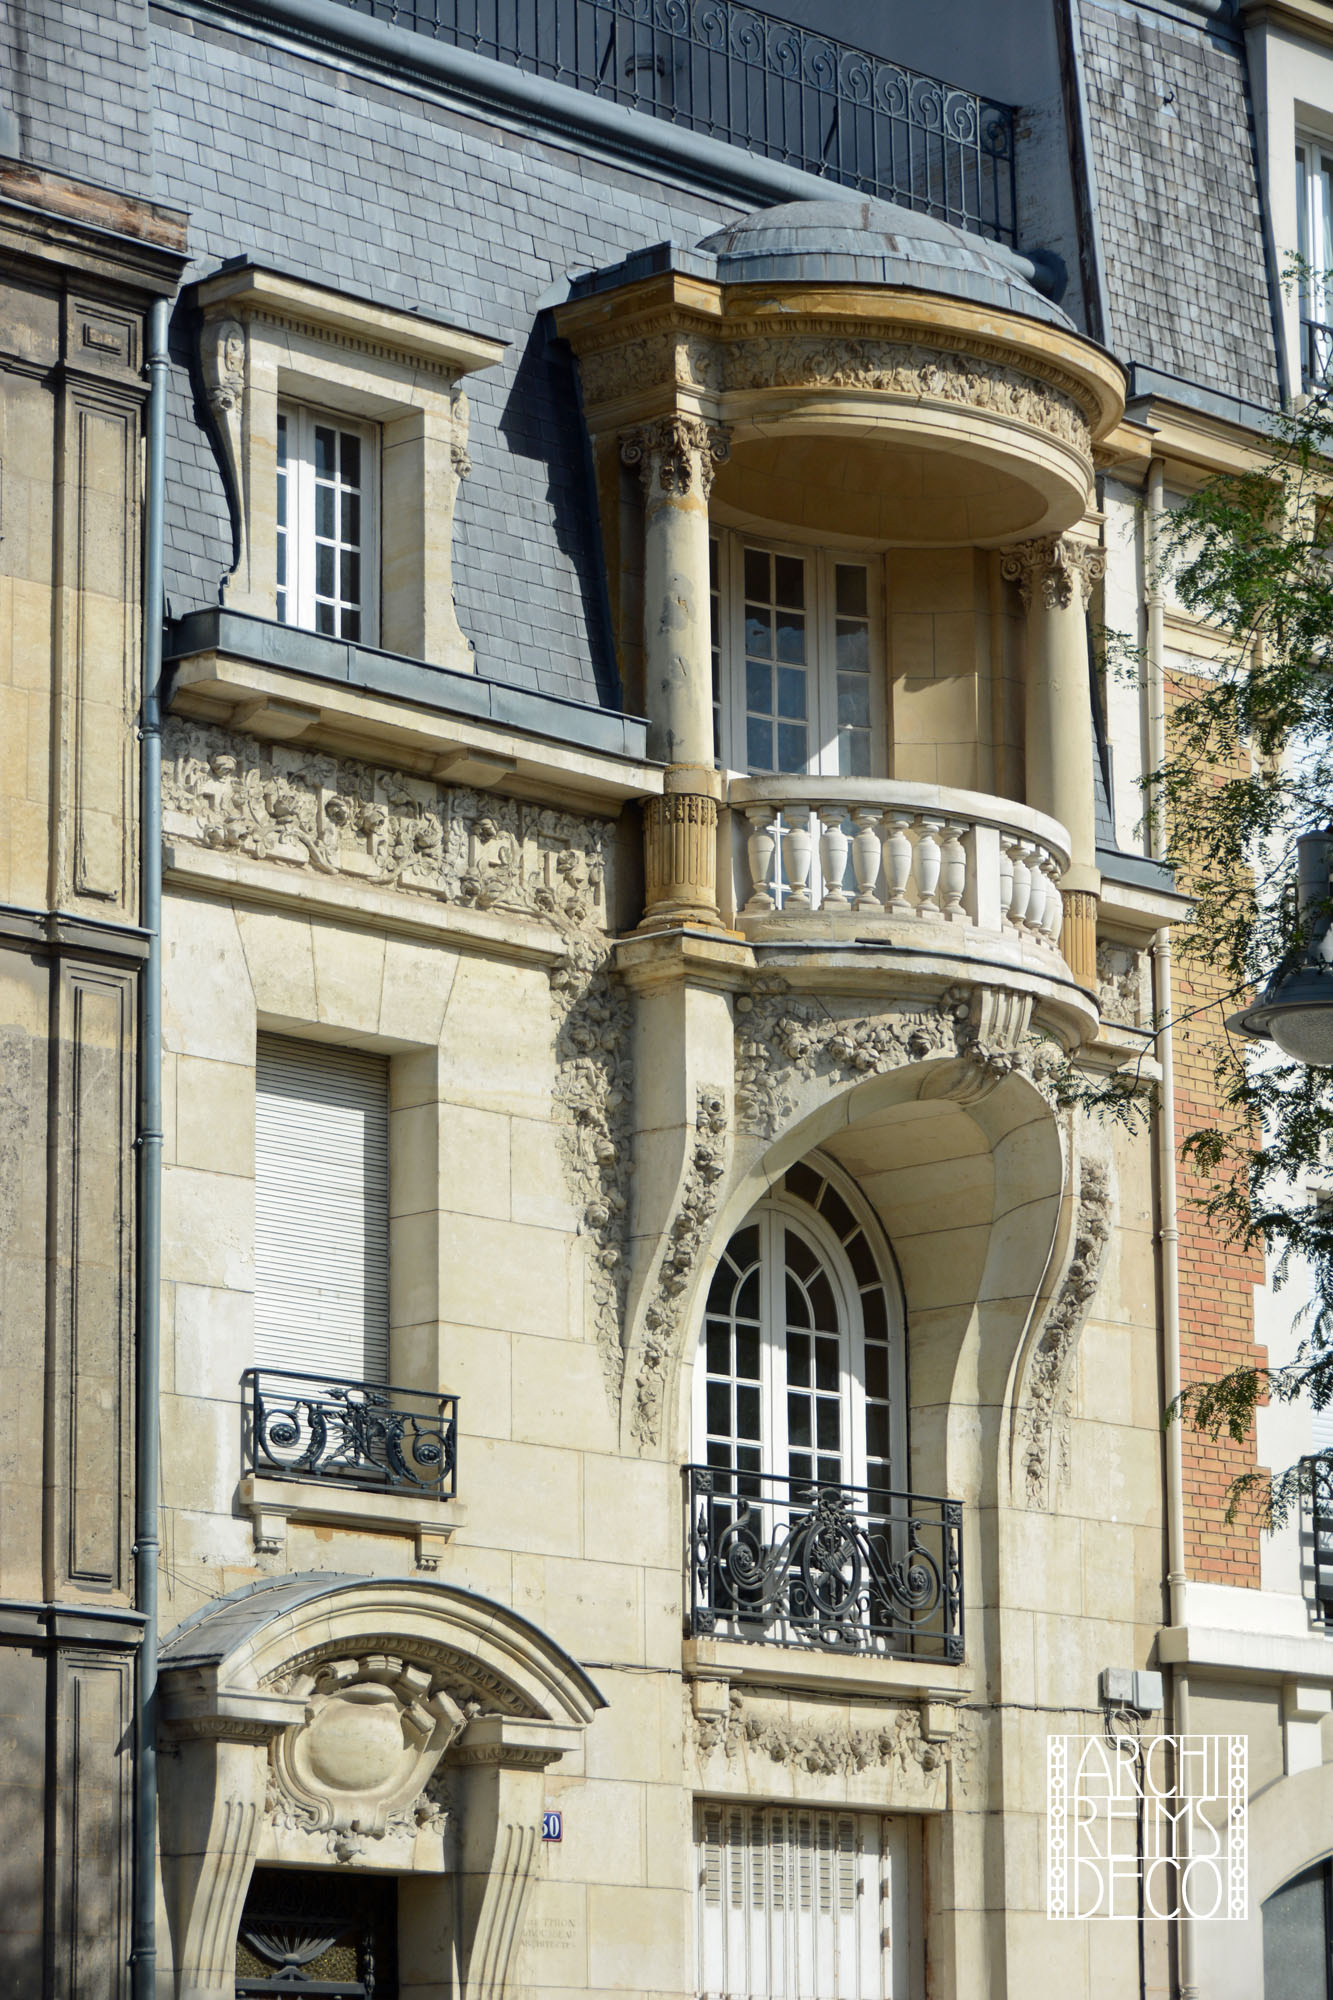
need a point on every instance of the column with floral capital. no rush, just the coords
(676, 457)
(1055, 575)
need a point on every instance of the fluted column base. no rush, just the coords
(1078, 937)
(680, 852)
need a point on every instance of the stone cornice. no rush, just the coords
(267, 297)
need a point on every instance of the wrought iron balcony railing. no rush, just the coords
(363, 1434)
(737, 74)
(845, 1568)
(1319, 1500)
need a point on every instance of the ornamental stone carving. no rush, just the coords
(338, 816)
(357, 1766)
(1057, 565)
(685, 1242)
(593, 1087)
(1122, 985)
(894, 1743)
(223, 359)
(676, 455)
(1041, 1415)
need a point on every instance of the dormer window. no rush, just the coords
(1314, 199)
(326, 526)
(795, 632)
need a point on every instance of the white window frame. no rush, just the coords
(1314, 205)
(821, 614)
(300, 534)
(772, 1213)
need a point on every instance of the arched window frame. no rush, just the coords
(783, 1206)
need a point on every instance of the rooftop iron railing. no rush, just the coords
(848, 1569)
(1316, 354)
(299, 1425)
(740, 75)
(1319, 1500)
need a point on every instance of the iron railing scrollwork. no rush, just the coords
(1316, 353)
(1318, 1494)
(348, 1433)
(737, 74)
(846, 1568)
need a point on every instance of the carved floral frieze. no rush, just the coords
(1042, 1415)
(893, 1743)
(686, 1238)
(338, 816)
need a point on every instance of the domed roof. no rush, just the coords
(853, 240)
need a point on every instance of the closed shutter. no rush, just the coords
(321, 1210)
(800, 1904)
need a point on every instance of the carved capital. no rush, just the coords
(1056, 565)
(680, 860)
(676, 455)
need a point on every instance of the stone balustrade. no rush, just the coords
(857, 857)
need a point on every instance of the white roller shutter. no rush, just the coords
(800, 1904)
(321, 1210)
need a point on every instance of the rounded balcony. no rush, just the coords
(939, 879)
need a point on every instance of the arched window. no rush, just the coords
(1298, 1937)
(800, 1370)
(800, 1529)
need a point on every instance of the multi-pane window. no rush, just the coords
(794, 636)
(798, 1373)
(327, 554)
(1314, 196)
(795, 1901)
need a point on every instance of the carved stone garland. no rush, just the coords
(1040, 1404)
(593, 1089)
(685, 1242)
(338, 816)
(832, 1749)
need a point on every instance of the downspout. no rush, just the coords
(148, 1144)
(1168, 1234)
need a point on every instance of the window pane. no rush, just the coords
(877, 1371)
(350, 578)
(798, 1422)
(798, 1359)
(821, 1303)
(877, 1430)
(747, 1299)
(323, 570)
(747, 1413)
(874, 1315)
(759, 745)
(791, 746)
(719, 1409)
(852, 644)
(827, 1425)
(351, 458)
(718, 1348)
(789, 581)
(324, 619)
(758, 688)
(282, 443)
(324, 449)
(826, 1364)
(850, 590)
(854, 701)
(352, 519)
(791, 694)
(798, 1309)
(351, 624)
(854, 754)
(757, 574)
(791, 636)
(758, 633)
(324, 512)
(747, 1353)
(839, 1216)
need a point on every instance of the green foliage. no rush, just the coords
(1249, 767)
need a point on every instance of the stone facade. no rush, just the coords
(630, 1012)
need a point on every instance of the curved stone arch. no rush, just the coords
(1290, 1829)
(396, 1722)
(1001, 1255)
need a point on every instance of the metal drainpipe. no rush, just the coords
(1168, 1234)
(148, 1142)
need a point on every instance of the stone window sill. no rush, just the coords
(272, 1503)
(852, 1675)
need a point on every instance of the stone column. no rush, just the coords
(676, 456)
(1055, 576)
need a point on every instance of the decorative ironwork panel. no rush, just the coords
(367, 1434)
(804, 1563)
(1319, 1500)
(305, 1933)
(1316, 353)
(739, 75)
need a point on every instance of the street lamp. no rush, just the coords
(1294, 1006)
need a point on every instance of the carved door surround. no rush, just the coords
(394, 1724)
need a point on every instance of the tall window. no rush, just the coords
(327, 554)
(1314, 195)
(794, 1902)
(794, 635)
(321, 1210)
(800, 1370)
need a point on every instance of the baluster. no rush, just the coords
(833, 856)
(1055, 902)
(898, 864)
(797, 852)
(953, 873)
(1037, 889)
(867, 848)
(1006, 881)
(928, 867)
(761, 848)
(1017, 851)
